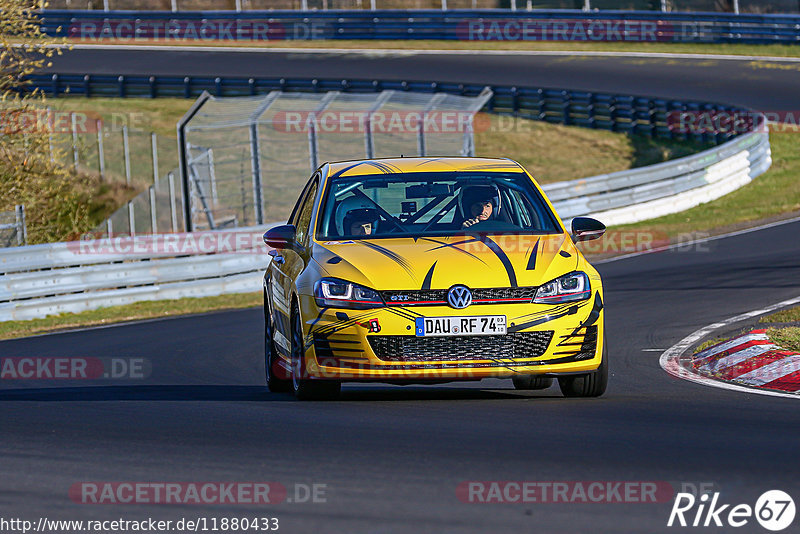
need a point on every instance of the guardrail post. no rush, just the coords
(74, 129)
(126, 154)
(22, 232)
(55, 85)
(101, 160)
(153, 219)
(154, 152)
(121, 84)
(173, 213)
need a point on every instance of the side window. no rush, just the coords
(303, 221)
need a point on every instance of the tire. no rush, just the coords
(305, 389)
(588, 385)
(274, 384)
(531, 382)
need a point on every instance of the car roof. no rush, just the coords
(432, 164)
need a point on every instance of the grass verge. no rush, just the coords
(130, 312)
(784, 316)
(787, 338)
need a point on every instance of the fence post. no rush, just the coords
(74, 128)
(238, 6)
(587, 5)
(109, 228)
(154, 151)
(304, 5)
(212, 176)
(444, 5)
(736, 6)
(664, 6)
(513, 5)
(174, 5)
(126, 155)
(372, 5)
(131, 220)
(106, 6)
(255, 167)
(173, 213)
(101, 160)
(153, 219)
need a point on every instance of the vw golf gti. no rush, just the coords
(428, 270)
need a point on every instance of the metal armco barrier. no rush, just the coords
(41, 280)
(480, 25)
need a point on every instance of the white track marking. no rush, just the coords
(419, 52)
(669, 359)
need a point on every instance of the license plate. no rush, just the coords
(476, 325)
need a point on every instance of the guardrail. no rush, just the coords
(462, 24)
(41, 280)
(640, 115)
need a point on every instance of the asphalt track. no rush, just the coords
(392, 456)
(761, 84)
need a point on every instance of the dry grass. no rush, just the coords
(784, 316)
(786, 338)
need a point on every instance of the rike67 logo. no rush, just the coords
(774, 510)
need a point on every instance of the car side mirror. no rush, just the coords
(280, 237)
(586, 229)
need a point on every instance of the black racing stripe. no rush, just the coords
(595, 313)
(383, 167)
(335, 327)
(565, 254)
(454, 246)
(334, 260)
(557, 309)
(541, 320)
(532, 258)
(426, 284)
(405, 313)
(391, 255)
(494, 247)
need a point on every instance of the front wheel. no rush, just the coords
(305, 389)
(588, 385)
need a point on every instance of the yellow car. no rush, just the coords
(428, 270)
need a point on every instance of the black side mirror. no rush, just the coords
(586, 229)
(280, 237)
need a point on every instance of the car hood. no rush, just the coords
(439, 262)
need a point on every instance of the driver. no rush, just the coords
(479, 204)
(356, 217)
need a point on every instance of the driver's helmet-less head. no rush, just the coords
(354, 210)
(479, 193)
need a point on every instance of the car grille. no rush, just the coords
(415, 349)
(435, 297)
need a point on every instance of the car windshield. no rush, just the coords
(428, 204)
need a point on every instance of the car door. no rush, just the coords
(287, 264)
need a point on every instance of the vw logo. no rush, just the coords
(459, 297)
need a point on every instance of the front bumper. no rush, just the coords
(379, 344)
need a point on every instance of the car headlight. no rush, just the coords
(567, 288)
(335, 293)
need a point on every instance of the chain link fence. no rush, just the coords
(246, 157)
(727, 6)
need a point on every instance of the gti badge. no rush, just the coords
(459, 297)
